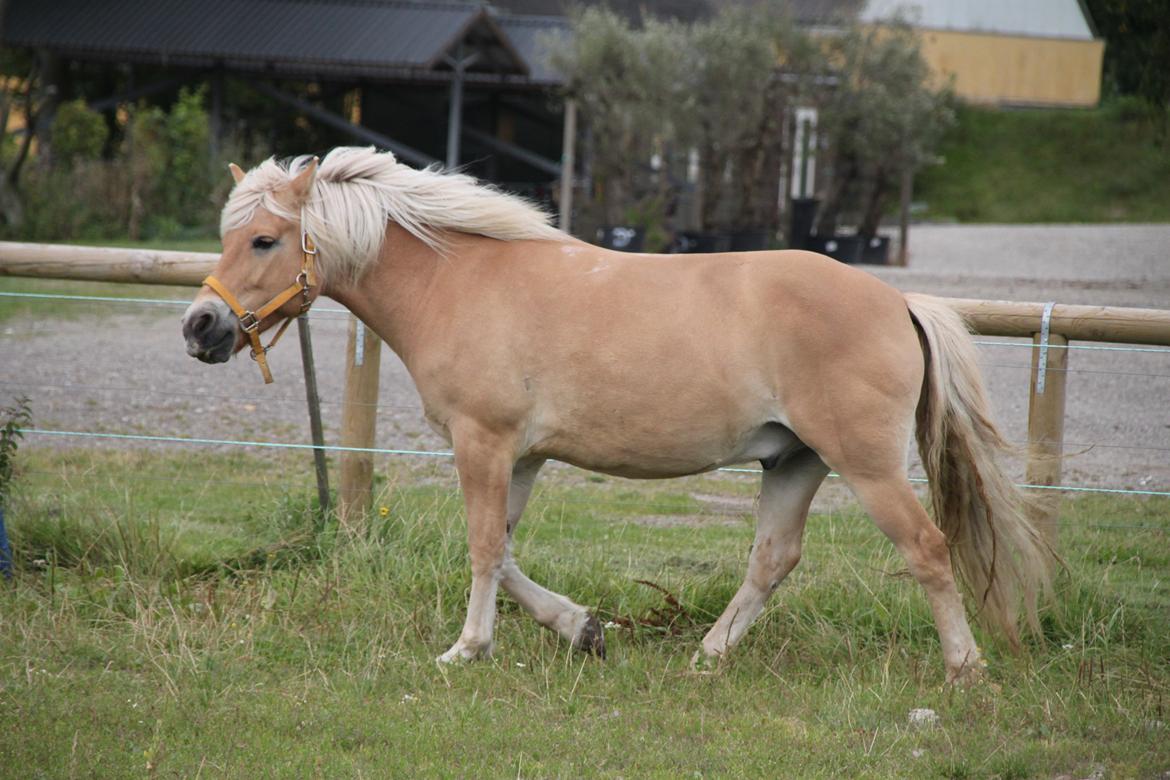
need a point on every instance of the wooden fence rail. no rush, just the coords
(988, 318)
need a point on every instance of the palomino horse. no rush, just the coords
(527, 344)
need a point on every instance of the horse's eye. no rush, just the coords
(263, 242)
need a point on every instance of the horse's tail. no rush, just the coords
(996, 551)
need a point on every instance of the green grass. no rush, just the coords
(11, 308)
(1053, 165)
(183, 614)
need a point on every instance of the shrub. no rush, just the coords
(79, 133)
(187, 132)
(15, 417)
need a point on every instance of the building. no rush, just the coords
(1006, 52)
(434, 81)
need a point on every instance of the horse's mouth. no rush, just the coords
(219, 352)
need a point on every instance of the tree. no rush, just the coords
(735, 114)
(1137, 50)
(883, 118)
(22, 94)
(626, 81)
(721, 87)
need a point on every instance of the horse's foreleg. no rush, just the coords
(552, 610)
(785, 496)
(484, 462)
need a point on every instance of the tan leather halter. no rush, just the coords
(250, 320)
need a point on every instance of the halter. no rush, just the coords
(250, 320)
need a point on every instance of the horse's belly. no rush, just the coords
(669, 453)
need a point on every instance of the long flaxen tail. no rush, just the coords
(996, 551)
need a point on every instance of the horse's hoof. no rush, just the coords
(461, 653)
(591, 638)
(972, 675)
(702, 663)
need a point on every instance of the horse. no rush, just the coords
(528, 345)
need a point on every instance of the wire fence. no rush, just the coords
(81, 397)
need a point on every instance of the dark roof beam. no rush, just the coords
(537, 161)
(401, 150)
(153, 88)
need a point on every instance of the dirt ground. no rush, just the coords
(126, 370)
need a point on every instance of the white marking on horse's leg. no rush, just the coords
(550, 609)
(484, 463)
(785, 496)
(475, 641)
(896, 511)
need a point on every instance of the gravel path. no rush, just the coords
(127, 371)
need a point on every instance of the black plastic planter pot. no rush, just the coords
(687, 242)
(749, 240)
(622, 238)
(847, 249)
(804, 211)
(876, 251)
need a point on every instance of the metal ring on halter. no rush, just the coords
(250, 326)
(305, 241)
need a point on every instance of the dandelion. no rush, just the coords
(383, 511)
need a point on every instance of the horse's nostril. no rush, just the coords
(202, 324)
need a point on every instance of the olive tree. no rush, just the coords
(626, 82)
(883, 118)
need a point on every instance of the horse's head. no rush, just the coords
(266, 274)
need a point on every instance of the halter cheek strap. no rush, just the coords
(250, 320)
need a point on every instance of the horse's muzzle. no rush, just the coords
(211, 332)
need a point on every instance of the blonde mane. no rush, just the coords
(357, 190)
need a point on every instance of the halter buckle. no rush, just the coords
(248, 322)
(307, 244)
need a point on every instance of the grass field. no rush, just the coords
(183, 614)
(1101, 165)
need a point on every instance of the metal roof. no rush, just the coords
(351, 37)
(1038, 18)
(803, 11)
(535, 38)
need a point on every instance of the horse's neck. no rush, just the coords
(390, 297)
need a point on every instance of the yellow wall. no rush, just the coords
(1017, 70)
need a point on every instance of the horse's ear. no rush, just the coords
(303, 183)
(237, 172)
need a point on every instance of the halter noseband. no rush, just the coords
(250, 320)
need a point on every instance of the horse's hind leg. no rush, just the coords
(552, 610)
(785, 496)
(894, 507)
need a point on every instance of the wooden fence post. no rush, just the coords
(1046, 429)
(359, 415)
